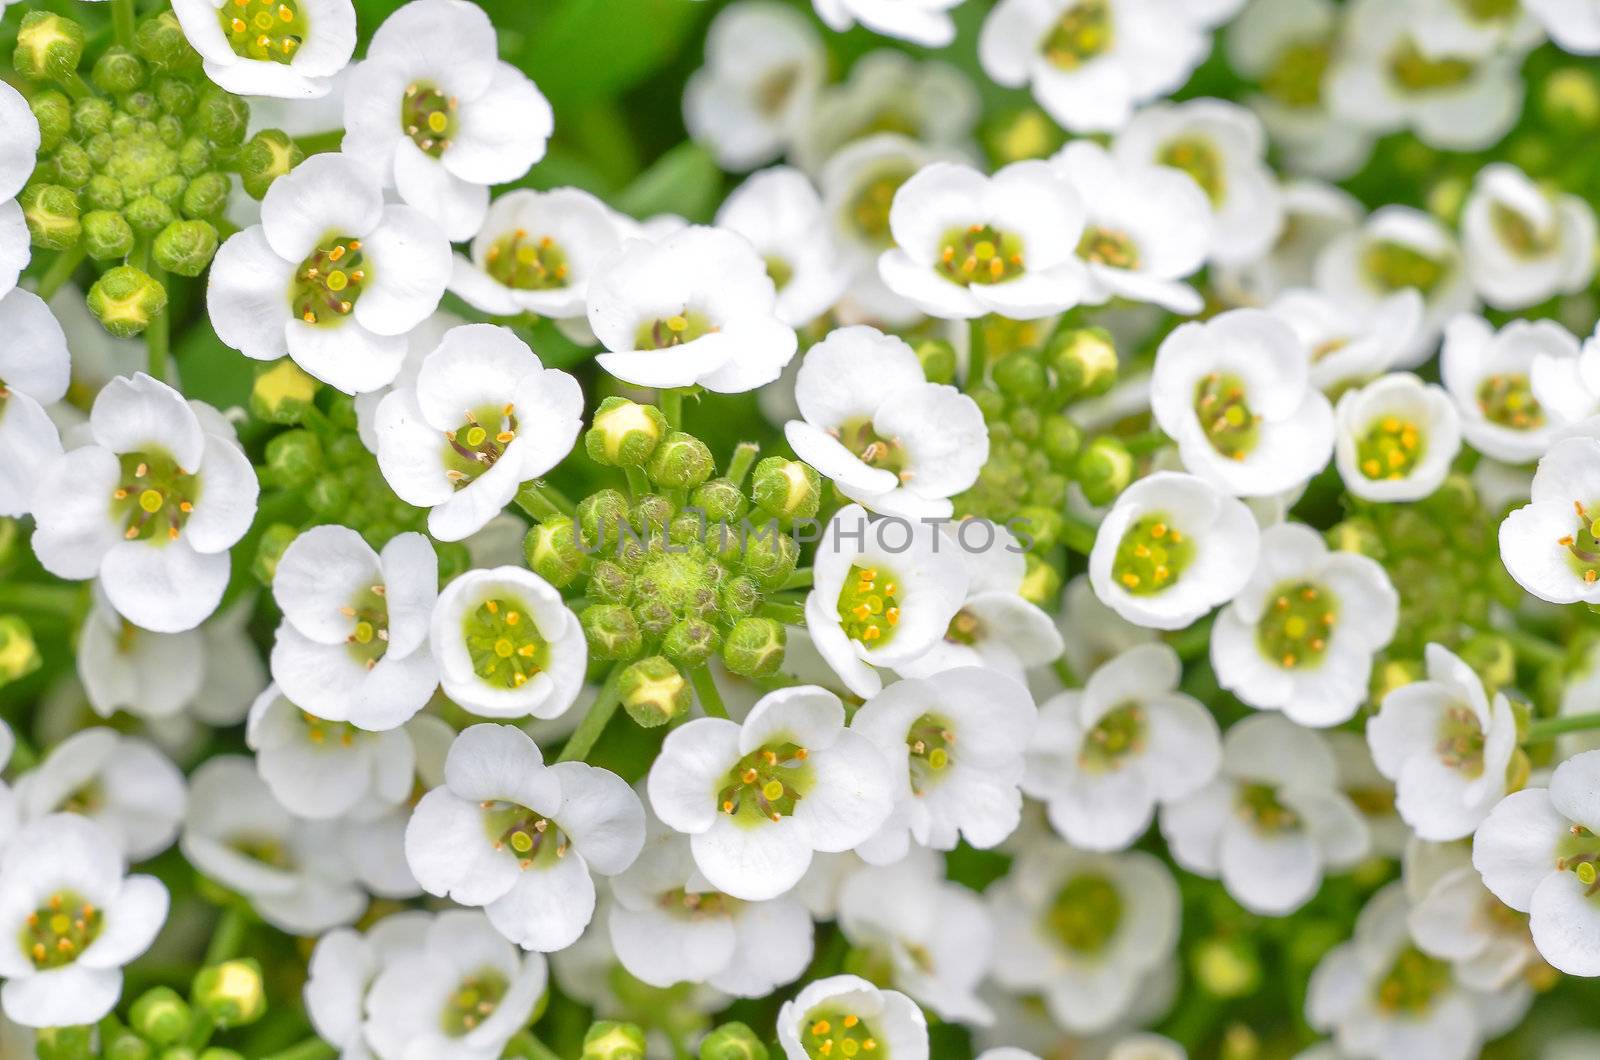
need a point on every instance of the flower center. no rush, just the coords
(1118, 734)
(1085, 913)
(869, 605)
(779, 271)
(1460, 741)
(1391, 448)
(930, 743)
(58, 931)
(1416, 72)
(1508, 400)
(1579, 853)
(1108, 246)
(766, 784)
(1151, 555)
(1520, 235)
(1584, 544)
(1395, 266)
(773, 90)
(264, 30)
(319, 731)
(84, 800)
(429, 117)
(1199, 158)
(368, 613)
(1295, 79)
(263, 849)
(697, 905)
(480, 441)
(1083, 31)
(862, 438)
(154, 497)
(473, 1000)
(525, 264)
(1413, 981)
(672, 331)
(527, 836)
(328, 282)
(966, 628)
(1224, 412)
(830, 1033)
(868, 209)
(1260, 806)
(1294, 631)
(504, 643)
(980, 254)
(1489, 10)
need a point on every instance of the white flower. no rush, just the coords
(1301, 635)
(253, 49)
(885, 435)
(882, 595)
(1102, 758)
(294, 872)
(1396, 438)
(1083, 930)
(122, 783)
(19, 150)
(1525, 245)
(35, 370)
(506, 644)
(432, 111)
(151, 505)
(1274, 820)
(764, 64)
(461, 991)
(1089, 63)
(1396, 248)
(1452, 29)
(72, 919)
(1538, 852)
(319, 768)
(1349, 346)
(1495, 380)
(924, 22)
(780, 213)
(1223, 148)
(1446, 745)
(1369, 791)
(846, 1009)
(1314, 215)
(695, 308)
(520, 838)
(934, 103)
(1459, 920)
(1575, 27)
(953, 744)
(669, 925)
(967, 244)
(1550, 546)
(1091, 633)
(341, 969)
(758, 799)
(1235, 393)
(483, 417)
(1172, 548)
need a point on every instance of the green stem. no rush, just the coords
(310, 1049)
(1194, 642)
(672, 407)
(705, 689)
(1533, 649)
(543, 502)
(75, 86)
(800, 578)
(584, 737)
(61, 270)
(788, 614)
(122, 19)
(1078, 535)
(318, 143)
(227, 938)
(977, 354)
(158, 336)
(202, 1030)
(526, 1044)
(743, 459)
(1145, 443)
(64, 600)
(638, 485)
(1550, 728)
(1065, 674)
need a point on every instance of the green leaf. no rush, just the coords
(684, 181)
(583, 50)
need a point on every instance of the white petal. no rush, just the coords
(164, 587)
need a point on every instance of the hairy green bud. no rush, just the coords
(654, 692)
(160, 40)
(269, 155)
(612, 631)
(126, 299)
(610, 1040)
(120, 1043)
(552, 552)
(1103, 470)
(92, 116)
(148, 214)
(185, 247)
(72, 165)
(651, 513)
(176, 96)
(769, 557)
(599, 515)
(53, 111)
(205, 196)
(1085, 361)
(786, 489)
(721, 499)
(681, 461)
(754, 647)
(161, 1016)
(329, 496)
(1061, 439)
(231, 993)
(1019, 375)
(294, 458)
(624, 433)
(221, 117)
(49, 47)
(106, 235)
(739, 596)
(690, 642)
(610, 581)
(938, 359)
(52, 215)
(117, 71)
(732, 1041)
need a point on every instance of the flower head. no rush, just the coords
(287, 48)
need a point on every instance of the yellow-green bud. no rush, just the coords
(161, 1016)
(49, 47)
(216, 1052)
(19, 655)
(120, 1043)
(654, 692)
(652, 512)
(1393, 674)
(52, 215)
(1226, 968)
(148, 214)
(1025, 133)
(609, 581)
(1041, 582)
(64, 1043)
(269, 155)
(205, 196)
(754, 647)
(53, 111)
(117, 71)
(612, 631)
(1061, 439)
(739, 596)
(1356, 535)
(1571, 98)
(786, 489)
(1446, 198)
(106, 235)
(610, 1040)
(269, 550)
(599, 515)
(769, 557)
(1085, 361)
(1492, 657)
(624, 433)
(126, 299)
(282, 393)
(176, 95)
(221, 117)
(231, 993)
(160, 40)
(938, 359)
(294, 458)
(690, 642)
(552, 552)
(732, 1041)
(185, 247)
(721, 499)
(1020, 375)
(681, 461)
(73, 166)
(1103, 470)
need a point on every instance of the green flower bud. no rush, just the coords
(126, 299)
(599, 516)
(610, 582)
(1103, 469)
(1226, 967)
(160, 40)
(221, 117)
(52, 215)
(1085, 361)
(205, 196)
(651, 513)
(19, 655)
(294, 458)
(1020, 376)
(143, 106)
(106, 235)
(681, 461)
(282, 393)
(231, 993)
(194, 157)
(1061, 439)
(124, 1044)
(739, 596)
(216, 1052)
(73, 166)
(92, 116)
(1025, 423)
(269, 155)
(148, 214)
(170, 130)
(612, 631)
(103, 193)
(329, 496)
(1042, 524)
(786, 489)
(49, 47)
(53, 111)
(754, 647)
(176, 95)
(689, 642)
(938, 359)
(610, 1040)
(1491, 656)
(170, 188)
(274, 539)
(117, 71)
(624, 433)
(552, 551)
(1025, 133)
(1041, 581)
(721, 499)
(732, 1041)
(1356, 535)
(654, 692)
(769, 557)
(64, 1043)
(161, 1016)
(185, 247)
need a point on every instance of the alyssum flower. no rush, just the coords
(1551, 546)
(319, 768)
(1496, 378)
(1395, 438)
(1524, 245)
(287, 48)
(780, 213)
(121, 783)
(924, 22)
(831, 1015)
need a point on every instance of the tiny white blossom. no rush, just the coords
(1573, 24)
(318, 768)
(341, 969)
(1450, 29)
(924, 22)
(1396, 438)
(1549, 545)
(1525, 245)
(35, 369)
(1349, 346)
(780, 213)
(848, 1009)
(1496, 377)
(122, 783)
(1315, 214)
(1457, 919)
(293, 58)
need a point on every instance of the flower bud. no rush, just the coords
(1043, 524)
(1024, 133)
(1571, 98)
(624, 433)
(610, 1040)
(72, 165)
(53, 111)
(269, 155)
(294, 458)
(609, 581)
(938, 359)
(1491, 656)
(654, 692)
(221, 117)
(49, 47)
(231, 993)
(282, 393)
(126, 299)
(176, 95)
(681, 461)
(690, 642)
(600, 516)
(786, 489)
(103, 193)
(651, 514)
(1085, 361)
(732, 1041)
(205, 196)
(117, 71)
(739, 596)
(769, 557)
(64, 1043)
(185, 248)
(1103, 470)
(1226, 967)
(269, 550)
(754, 647)
(1041, 581)
(721, 499)
(1061, 439)
(552, 552)
(19, 655)
(120, 1043)
(52, 215)
(612, 631)
(160, 40)
(161, 1016)
(1020, 376)
(148, 214)
(106, 235)
(329, 496)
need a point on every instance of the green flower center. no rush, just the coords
(1413, 982)
(779, 271)
(766, 784)
(1460, 741)
(154, 497)
(673, 331)
(527, 836)
(1416, 72)
(1583, 545)
(964, 628)
(1107, 246)
(930, 745)
(1199, 158)
(429, 117)
(980, 254)
(1395, 266)
(322, 732)
(526, 264)
(1119, 733)
(773, 91)
(868, 210)
(1224, 413)
(1151, 555)
(1295, 79)
(697, 905)
(869, 605)
(862, 438)
(1294, 631)
(369, 639)
(264, 30)
(1489, 10)
(58, 931)
(86, 800)
(1578, 852)
(472, 1002)
(328, 282)
(830, 1033)
(480, 441)
(1083, 31)
(1508, 400)
(262, 849)
(1259, 804)
(1390, 448)
(1519, 234)
(1085, 914)
(504, 643)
